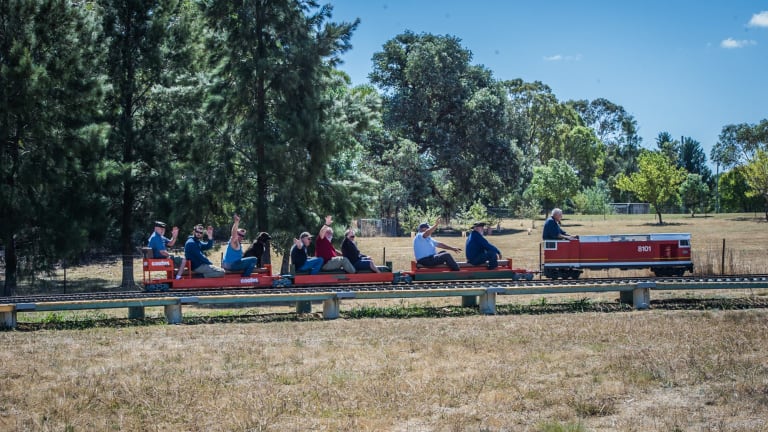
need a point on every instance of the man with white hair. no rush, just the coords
(552, 230)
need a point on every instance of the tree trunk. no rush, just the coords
(11, 266)
(661, 222)
(125, 237)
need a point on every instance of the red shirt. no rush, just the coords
(324, 249)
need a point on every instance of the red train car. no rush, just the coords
(467, 271)
(158, 275)
(663, 254)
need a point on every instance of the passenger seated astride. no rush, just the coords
(552, 229)
(233, 256)
(193, 250)
(300, 258)
(425, 248)
(159, 244)
(480, 250)
(352, 253)
(332, 258)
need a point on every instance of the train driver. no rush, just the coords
(552, 229)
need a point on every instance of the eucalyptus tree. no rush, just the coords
(738, 143)
(603, 117)
(146, 52)
(49, 138)
(454, 112)
(273, 107)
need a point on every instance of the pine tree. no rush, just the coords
(49, 141)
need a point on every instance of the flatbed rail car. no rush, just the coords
(468, 271)
(664, 254)
(158, 275)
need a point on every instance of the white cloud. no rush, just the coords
(732, 43)
(759, 19)
(560, 57)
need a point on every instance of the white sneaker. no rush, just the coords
(178, 277)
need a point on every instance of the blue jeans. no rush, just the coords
(312, 265)
(245, 264)
(486, 257)
(363, 264)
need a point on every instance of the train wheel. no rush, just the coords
(574, 274)
(515, 276)
(529, 276)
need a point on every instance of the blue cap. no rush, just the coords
(424, 225)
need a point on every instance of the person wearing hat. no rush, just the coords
(259, 247)
(300, 258)
(479, 249)
(425, 248)
(233, 257)
(159, 244)
(193, 250)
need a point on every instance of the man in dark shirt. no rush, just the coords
(552, 230)
(193, 251)
(300, 258)
(480, 250)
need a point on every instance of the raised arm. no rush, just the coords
(428, 233)
(234, 240)
(174, 236)
(324, 229)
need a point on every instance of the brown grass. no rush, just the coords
(637, 371)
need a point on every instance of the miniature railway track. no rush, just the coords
(682, 282)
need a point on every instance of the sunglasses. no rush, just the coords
(351, 236)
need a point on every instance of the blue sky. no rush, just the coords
(685, 67)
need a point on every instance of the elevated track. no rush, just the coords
(635, 291)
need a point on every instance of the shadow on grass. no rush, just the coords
(58, 321)
(654, 224)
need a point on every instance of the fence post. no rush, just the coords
(722, 260)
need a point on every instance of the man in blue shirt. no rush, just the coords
(479, 250)
(158, 242)
(552, 230)
(425, 248)
(193, 250)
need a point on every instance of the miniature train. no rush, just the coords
(663, 254)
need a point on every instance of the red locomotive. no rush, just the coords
(663, 254)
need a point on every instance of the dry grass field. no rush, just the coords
(617, 370)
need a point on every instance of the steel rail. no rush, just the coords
(499, 286)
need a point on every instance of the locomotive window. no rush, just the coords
(684, 243)
(550, 245)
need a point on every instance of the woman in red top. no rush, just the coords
(332, 259)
